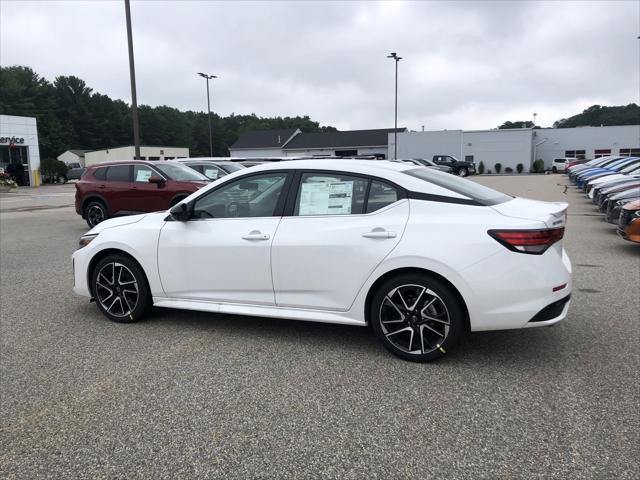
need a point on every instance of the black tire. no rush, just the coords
(438, 336)
(95, 212)
(554, 170)
(63, 179)
(113, 280)
(463, 172)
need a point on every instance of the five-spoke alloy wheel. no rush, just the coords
(120, 289)
(95, 212)
(416, 317)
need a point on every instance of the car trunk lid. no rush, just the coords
(552, 214)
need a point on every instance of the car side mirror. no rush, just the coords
(157, 180)
(181, 212)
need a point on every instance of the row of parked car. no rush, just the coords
(138, 186)
(613, 185)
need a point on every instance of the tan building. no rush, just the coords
(128, 153)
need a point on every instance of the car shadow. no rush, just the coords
(497, 348)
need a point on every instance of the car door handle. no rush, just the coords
(379, 233)
(256, 235)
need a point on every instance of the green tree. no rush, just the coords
(516, 124)
(597, 115)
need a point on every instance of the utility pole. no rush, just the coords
(132, 75)
(395, 131)
(209, 77)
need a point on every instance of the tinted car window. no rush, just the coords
(178, 172)
(118, 173)
(380, 195)
(330, 194)
(100, 174)
(232, 167)
(472, 190)
(253, 196)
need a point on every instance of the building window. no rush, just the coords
(346, 153)
(153, 158)
(630, 152)
(602, 152)
(578, 154)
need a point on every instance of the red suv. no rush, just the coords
(129, 187)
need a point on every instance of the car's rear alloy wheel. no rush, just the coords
(417, 317)
(120, 289)
(95, 212)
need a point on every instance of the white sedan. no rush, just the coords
(420, 255)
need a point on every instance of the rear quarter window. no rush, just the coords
(479, 194)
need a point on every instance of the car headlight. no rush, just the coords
(86, 239)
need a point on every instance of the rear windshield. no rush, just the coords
(178, 172)
(472, 190)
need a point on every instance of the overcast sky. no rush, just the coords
(465, 64)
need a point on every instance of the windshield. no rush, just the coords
(232, 167)
(481, 194)
(180, 173)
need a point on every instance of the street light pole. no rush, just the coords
(132, 75)
(534, 119)
(395, 130)
(208, 77)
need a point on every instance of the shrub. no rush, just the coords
(508, 170)
(519, 168)
(498, 167)
(7, 181)
(51, 168)
(481, 168)
(538, 166)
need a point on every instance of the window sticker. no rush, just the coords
(326, 198)
(212, 173)
(143, 175)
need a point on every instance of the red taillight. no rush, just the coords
(528, 241)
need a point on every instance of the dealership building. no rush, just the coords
(511, 147)
(293, 142)
(128, 153)
(19, 146)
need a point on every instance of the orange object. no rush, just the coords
(629, 225)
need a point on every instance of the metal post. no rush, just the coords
(395, 124)
(132, 75)
(395, 130)
(209, 117)
(208, 77)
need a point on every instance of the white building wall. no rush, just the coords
(426, 144)
(25, 128)
(554, 142)
(332, 151)
(127, 153)
(507, 147)
(256, 152)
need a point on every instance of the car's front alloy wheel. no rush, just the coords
(120, 289)
(417, 317)
(463, 172)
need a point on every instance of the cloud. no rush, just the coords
(465, 64)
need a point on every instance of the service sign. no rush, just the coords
(11, 140)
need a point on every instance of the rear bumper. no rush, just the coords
(509, 290)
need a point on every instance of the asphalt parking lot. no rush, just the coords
(189, 394)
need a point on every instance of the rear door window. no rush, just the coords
(100, 174)
(380, 195)
(330, 194)
(119, 173)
